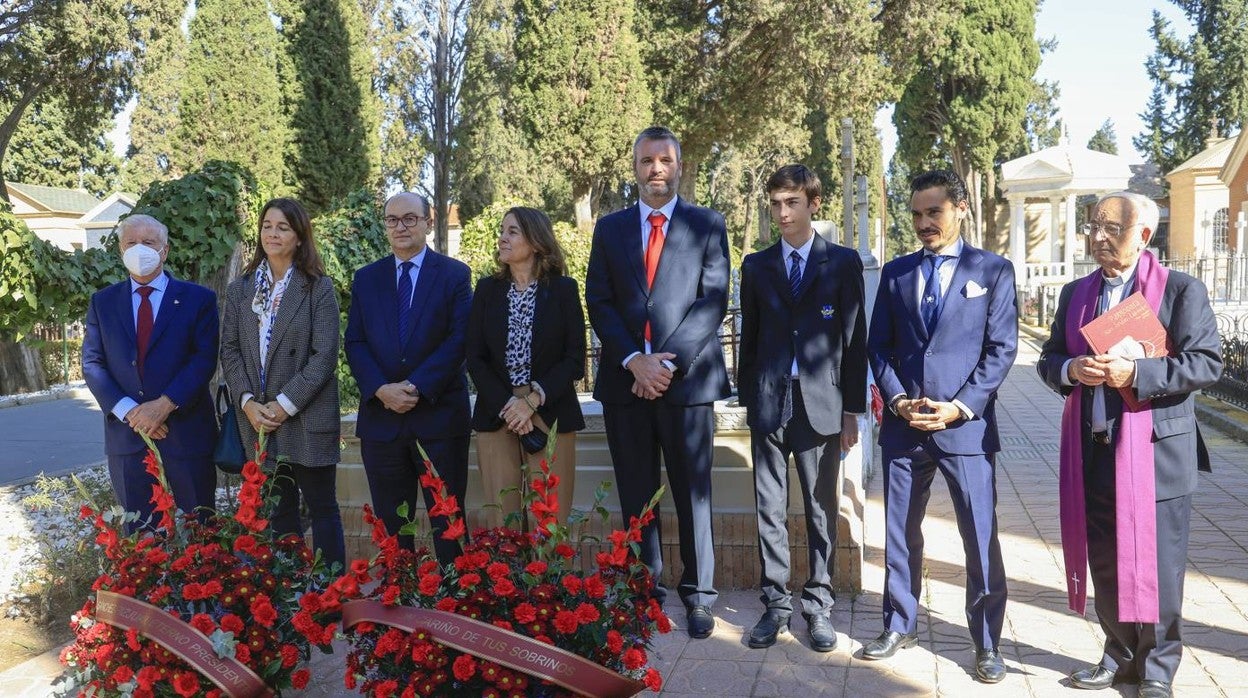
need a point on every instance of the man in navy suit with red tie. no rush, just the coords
(657, 292)
(148, 355)
(943, 336)
(405, 343)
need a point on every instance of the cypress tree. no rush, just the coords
(230, 106)
(334, 117)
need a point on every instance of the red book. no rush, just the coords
(1130, 330)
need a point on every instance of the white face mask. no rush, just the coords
(141, 260)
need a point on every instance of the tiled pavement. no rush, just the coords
(1043, 640)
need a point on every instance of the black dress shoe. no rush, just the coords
(1093, 678)
(887, 644)
(989, 667)
(822, 634)
(1152, 688)
(772, 623)
(701, 622)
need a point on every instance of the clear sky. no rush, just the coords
(1098, 65)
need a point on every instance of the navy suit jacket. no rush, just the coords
(1195, 362)
(685, 308)
(181, 358)
(431, 357)
(826, 326)
(966, 357)
(556, 352)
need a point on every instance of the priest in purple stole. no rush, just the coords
(1127, 476)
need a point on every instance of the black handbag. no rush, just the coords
(533, 441)
(228, 453)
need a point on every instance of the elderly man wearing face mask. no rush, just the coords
(149, 353)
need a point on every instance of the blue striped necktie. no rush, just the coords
(405, 300)
(795, 273)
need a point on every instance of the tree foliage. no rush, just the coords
(1202, 80)
(47, 149)
(580, 92)
(230, 105)
(81, 52)
(154, 121)
(208, 213)
(348, 238)
(970, 94)
(40, 282)
(1104, 140)
(334, 118)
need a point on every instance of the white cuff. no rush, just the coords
(669, 365)
(967, 413)
(1066, 373)
(287, 404)
(628, 358)
(541, 394)
(246, 398)
(123, 407)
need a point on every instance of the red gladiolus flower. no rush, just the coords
(444, 506)
(465, 667)
(245, 544)
(455, 530)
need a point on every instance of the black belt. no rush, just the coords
(1100, 438)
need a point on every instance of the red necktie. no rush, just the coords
(143, 332)
(654, 249)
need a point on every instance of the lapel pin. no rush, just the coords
(827, 312)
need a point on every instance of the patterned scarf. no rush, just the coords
(265, 304)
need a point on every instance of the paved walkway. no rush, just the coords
(54, 437)
(1043, 640)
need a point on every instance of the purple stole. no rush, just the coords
(1134, 484)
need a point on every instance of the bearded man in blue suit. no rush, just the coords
(657, 292)
(148, 355)
(943, 336)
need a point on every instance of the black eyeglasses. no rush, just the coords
(1113, 230)
(408, 221)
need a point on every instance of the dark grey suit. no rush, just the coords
(1195, 361)
(825, 328)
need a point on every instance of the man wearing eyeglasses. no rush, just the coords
(1127, 475)
(405, 344)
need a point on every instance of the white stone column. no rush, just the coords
(1055, 229)
(1018, 236)
(1068, 256)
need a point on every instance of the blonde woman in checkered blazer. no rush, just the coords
(279, 353)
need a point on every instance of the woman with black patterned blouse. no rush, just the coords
(526, 350)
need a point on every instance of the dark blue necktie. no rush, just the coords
(933, 300)
(795, 273)
(405, 300)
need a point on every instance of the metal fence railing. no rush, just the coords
(1232, 387)
(729, 339)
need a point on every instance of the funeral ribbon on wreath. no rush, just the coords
(234, 678)
(503, 647)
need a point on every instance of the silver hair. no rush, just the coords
(142, 219)
(1146, 213)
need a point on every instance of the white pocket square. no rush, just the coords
(974, 290)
